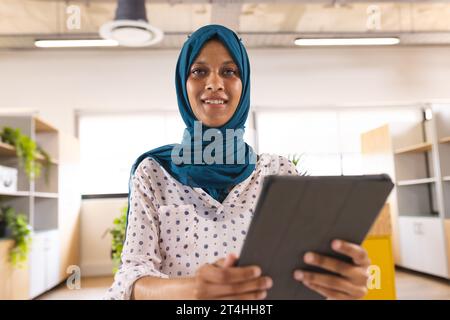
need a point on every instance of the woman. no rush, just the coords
(187, 220)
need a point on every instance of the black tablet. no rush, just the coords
(296, 214)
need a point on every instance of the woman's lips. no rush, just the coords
(214, 105)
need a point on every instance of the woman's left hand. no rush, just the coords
(352, 280)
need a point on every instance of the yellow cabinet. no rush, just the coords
(381, 284)
(13, 281)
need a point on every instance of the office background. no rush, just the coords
(112, 104)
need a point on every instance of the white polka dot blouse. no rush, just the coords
(173, 229)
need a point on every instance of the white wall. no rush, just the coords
(59, 82)
(97, 216)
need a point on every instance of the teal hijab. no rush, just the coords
(216, 178)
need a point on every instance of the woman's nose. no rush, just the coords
(214, 82)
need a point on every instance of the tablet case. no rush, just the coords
(296, 214)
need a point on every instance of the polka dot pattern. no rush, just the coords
(173, 229)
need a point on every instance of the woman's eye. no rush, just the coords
(230, 72)
(198, 72)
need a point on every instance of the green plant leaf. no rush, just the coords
(26, 150)
(20, 233)
(117, 232)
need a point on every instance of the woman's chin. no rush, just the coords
(213, 121)
(216, 114)
(214, 108)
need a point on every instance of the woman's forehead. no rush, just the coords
(214, 50)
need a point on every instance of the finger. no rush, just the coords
(230, 260)
(356, 273)
(327, 293)
(257, 295)
(332, 282)
(222, 290)
(219, 275)
(219, 263)
(357, 253)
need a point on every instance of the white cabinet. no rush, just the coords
(44, 262)
(51, 251)
(422, 245)
(37, 266)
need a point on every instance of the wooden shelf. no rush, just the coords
(15, 193)
(415, 182)
(445, 140)
(41, 158)
(10, 151)
(45, 195)
(421, 147)
(7, 149)
(43, 126)
(28, 193)
(428, 215)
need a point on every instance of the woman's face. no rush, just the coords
(214, 86)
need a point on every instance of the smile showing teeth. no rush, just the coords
(214, 101)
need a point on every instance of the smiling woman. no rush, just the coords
(214, 86)
(187, 221)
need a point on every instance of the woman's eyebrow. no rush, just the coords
(226, 62)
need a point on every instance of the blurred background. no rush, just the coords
(86, 86)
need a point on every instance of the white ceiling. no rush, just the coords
(261, 23)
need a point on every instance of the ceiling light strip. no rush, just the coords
(75, 43)
(347, 41)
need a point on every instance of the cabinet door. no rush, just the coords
(37, 266)
(51, 248)
(422, 245)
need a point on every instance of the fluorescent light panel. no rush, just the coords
(347, 41)
(75, 43)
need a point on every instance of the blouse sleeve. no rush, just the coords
(140, 255)
(284, 166)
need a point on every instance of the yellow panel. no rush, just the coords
(382, 283)
(13, 281)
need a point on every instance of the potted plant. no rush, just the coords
(16, 228)
(117, 233)
(27, 151)
(297, 159)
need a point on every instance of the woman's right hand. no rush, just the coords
(221, 280)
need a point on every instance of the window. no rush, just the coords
(110, 143)
(329, 140)
(311, 133)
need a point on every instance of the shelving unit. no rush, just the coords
(416, 154)
(443, 133)
(52, 206)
